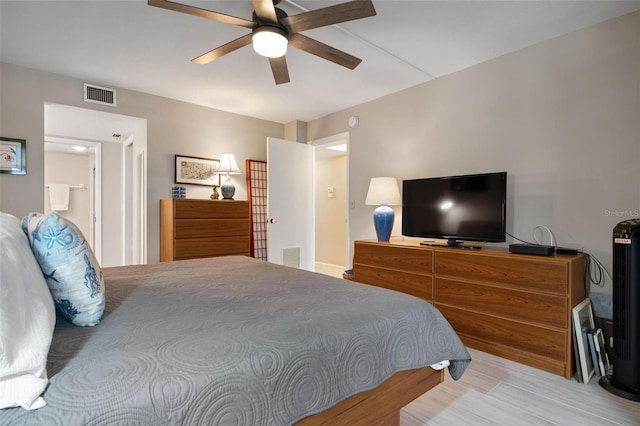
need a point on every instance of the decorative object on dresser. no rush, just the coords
(214, 192)
(512, 305)
(383, 192)
(178, 192)
(191, 228)
(228, 166)
(196, 170)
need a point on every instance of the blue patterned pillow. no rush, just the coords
(69, 266)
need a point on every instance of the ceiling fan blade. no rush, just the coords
(330, 15)
(223, 50)
(204, 13)
(265, 10)
(279, 69)
(324, 51)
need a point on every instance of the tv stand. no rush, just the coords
(516, 306)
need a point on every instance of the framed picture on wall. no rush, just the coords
(582, 316)
(196, 170)
(13, 156)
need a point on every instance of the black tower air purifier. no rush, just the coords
(625, 380)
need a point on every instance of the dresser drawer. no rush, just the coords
(525, 337)
(520, 305)
(394, 257)
(214, 209)
(202, 228)
(419, 285)
(194, 228)
(189, 248)
(514, 306)
(526, 273)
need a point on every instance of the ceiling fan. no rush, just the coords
(272, 30)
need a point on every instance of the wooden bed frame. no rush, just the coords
(380, 406)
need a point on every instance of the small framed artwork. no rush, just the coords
(582, 316)
(196, 170)
(13, 156)
(603, 357)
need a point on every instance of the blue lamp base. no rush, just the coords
(383, 222)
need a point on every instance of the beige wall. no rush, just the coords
(561, 117)
(331, 213)
(174, 127)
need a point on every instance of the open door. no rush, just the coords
(290, 204)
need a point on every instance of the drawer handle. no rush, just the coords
(272, 220)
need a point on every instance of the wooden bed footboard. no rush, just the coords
(380, 406)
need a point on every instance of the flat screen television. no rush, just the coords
(467, 208)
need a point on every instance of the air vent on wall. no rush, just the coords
(99, 95)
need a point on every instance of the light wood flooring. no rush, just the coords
(496, 391)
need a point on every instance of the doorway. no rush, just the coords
(292, 193)
(76, 164)
(118, 184)
(332, 248)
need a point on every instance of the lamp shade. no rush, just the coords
(383, 190)
(228, 165)
(269, 42)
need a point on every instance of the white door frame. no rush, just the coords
(326, 142)
(96, 189)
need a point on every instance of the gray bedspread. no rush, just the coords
(233, 341)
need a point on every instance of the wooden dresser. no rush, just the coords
(512, 305)
(191, 228)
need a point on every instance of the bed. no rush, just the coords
(239, 341)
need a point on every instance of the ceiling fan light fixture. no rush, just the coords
(270, 42)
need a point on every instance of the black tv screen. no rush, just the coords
(471, 207)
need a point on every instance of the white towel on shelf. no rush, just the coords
(59, 196)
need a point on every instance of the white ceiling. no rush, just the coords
(132, 45)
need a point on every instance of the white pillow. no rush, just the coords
(69, 266)
(27, 319)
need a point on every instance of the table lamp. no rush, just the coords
(383, 192)
(229, 167)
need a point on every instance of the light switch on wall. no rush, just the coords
(331, 192)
